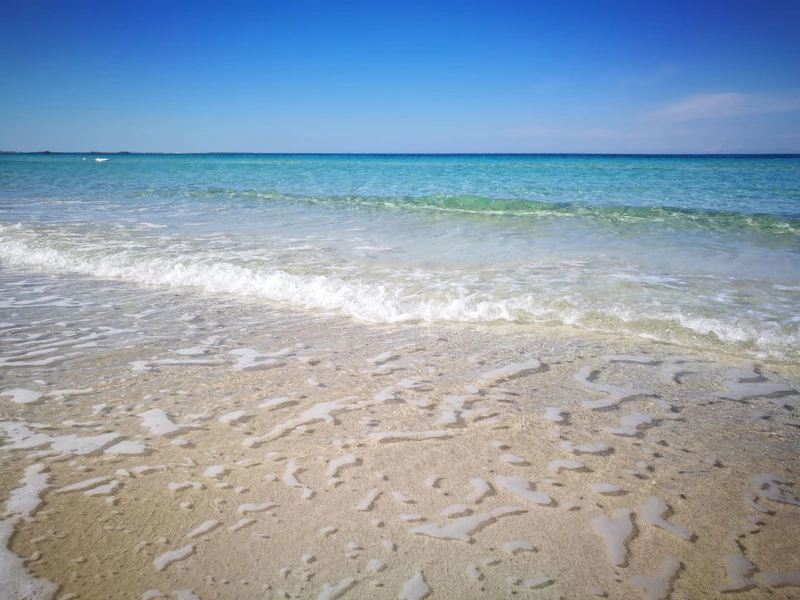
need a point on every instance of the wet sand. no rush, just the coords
(216, 450)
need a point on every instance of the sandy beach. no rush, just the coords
(400, 300)
(187, 452)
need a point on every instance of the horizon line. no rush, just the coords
(132, 153)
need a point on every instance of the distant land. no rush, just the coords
(642, 154)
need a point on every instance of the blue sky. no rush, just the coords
(494, 76)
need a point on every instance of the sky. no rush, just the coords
(700, 76)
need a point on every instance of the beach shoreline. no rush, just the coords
(343, 442)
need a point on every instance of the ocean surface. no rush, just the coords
(698, 251)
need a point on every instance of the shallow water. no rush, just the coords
(364, 377)
(698, 251)
(157, 439)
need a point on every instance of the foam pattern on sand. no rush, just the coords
(294, 455)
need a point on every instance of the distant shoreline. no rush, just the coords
(373, 154)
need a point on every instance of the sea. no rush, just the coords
(472, 375)
(701, 252)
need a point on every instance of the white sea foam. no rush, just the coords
(164, 560)
(462, 527)
(15, 580)
(387, 294)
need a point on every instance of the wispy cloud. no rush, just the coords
(725, 105)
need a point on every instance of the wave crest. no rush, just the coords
(379, 301)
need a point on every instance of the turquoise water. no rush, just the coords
(697, 251)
